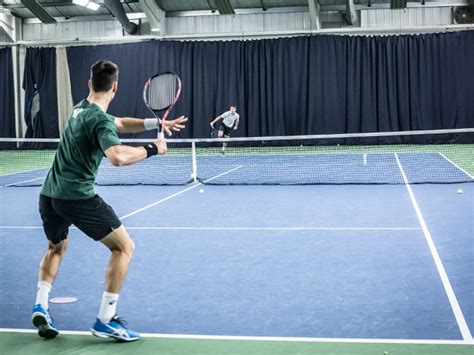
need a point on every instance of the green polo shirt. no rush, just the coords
(89, 132)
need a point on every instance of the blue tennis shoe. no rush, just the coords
(114, 329)
(43, 321)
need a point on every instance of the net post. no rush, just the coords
(194, 172)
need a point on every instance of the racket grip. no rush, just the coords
(161, 135)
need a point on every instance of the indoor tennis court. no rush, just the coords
(336, 217)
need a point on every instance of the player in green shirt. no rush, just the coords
(67, 197)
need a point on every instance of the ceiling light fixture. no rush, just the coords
(86, 3)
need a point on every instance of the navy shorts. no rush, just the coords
(225, 129)
(92, 216)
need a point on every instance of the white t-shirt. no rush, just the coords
(230, 119)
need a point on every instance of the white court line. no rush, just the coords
(265, 338)
(278, 228)
(457, 166)
(249, 228)
(21, 227)
(466, 334)
(178, 193)
(22, 182)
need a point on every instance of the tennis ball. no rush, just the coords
(193, 176)
(201, 191)
(460, 191)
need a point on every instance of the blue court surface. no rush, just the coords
(369, 262)
(264, 168)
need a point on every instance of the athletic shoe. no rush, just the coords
(114, 329)
(43, 321)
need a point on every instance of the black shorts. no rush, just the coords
(225, 129)
(92, 216)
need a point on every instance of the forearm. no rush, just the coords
(132, 125)
(126, 155)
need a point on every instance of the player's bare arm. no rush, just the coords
(121, 155)
(132, 125)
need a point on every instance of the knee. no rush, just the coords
(127, 248)
(131, 248)
(58, 249)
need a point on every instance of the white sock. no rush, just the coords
(42, 296)
(108, 307)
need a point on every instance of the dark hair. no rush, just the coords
(103, 74)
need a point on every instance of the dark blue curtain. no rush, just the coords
(303, 85)
(40, 78)
(7, 94)
(210, 72)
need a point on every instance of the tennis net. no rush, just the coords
(440, 156)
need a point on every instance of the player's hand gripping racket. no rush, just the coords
(160, 93)
(213, 131)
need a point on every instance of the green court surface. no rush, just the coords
(29, 343)
(23, 160)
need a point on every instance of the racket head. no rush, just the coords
(160, 93)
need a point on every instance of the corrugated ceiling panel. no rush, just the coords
(135, 6)
(72, 30)
(252, 22)
(189, 5)
(429, 16)
(361, 2)
(75, 10)
(237, 4)
(238, 23)
(281, 3)
(60, 11)
(333, 17)
(49, 1)
(183, 5)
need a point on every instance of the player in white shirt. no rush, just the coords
(229, 122)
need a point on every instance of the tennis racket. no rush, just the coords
(160, 93)
(213, 132)
(215, 129)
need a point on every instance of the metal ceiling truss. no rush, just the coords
(224, 7)
(314, 10)
(39, 11)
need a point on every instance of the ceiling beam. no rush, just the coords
(314, 9)
(224, 7)
(39, 11)
(10, 25)
(351, 14)
(116, 8)
(155, 15)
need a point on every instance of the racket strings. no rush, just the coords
(162, 91)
